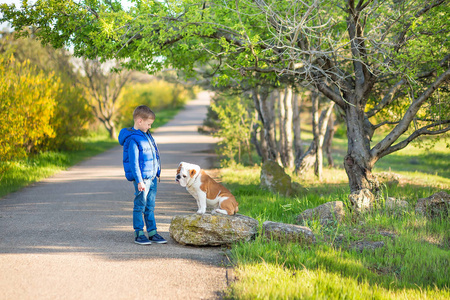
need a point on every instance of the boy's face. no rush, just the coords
(143, 124)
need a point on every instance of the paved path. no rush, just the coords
(70, 236)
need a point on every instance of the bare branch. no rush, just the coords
(384, 123)
(422, 131)
(92, 11)
(408, 117)
(324, 89)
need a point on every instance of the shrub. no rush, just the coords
(71, 113)
(235, 127)
(70, 119)
(157, 94)
(27, 107)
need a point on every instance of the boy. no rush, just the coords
(143, 167)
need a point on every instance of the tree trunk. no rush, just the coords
(112, 133)
(264, 151)
(256, 130)
(318, 140)
(109, 125)
(102, 88)
(289, 151)
(329, 140)
(296, 108)
(358, 162)
(263, 106)
(314, 155)
(248, 143)
(281, 100)
(307, 160)
(359, 174)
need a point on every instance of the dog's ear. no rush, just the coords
(192, 172)
(179, 167)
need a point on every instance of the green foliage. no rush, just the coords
(26, 109)
(71, 112)
(72, 115)
(235, 127)
(270, 43)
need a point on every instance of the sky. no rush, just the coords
(5, 25)
(16, 2)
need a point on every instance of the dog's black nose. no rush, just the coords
(178, 176)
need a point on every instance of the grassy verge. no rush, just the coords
(21, 173)
(164, 116)
(413, 264)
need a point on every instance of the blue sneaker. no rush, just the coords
(158, 239)
(141, 239)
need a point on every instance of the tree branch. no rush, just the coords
(411, 112)
(324, 89)
(422, 131)
(401, 38)
(387, 99)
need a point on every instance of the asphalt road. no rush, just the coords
(71, 236)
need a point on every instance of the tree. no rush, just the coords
(313, 156)
(366, 56)
(235, 126)
(286, 126)
(103, 86)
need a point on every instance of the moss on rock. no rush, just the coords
(212, 230)
(275, 179)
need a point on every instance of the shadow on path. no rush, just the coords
(82, 218)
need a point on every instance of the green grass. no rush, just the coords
(415, 264)
(18, 174)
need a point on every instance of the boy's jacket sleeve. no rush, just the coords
(133, 153)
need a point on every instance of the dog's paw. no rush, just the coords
(202, 212)
(219, 211)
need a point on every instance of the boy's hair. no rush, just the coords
(143, 112)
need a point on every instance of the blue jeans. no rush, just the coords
(144, 206)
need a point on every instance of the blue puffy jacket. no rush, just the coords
(140, 158)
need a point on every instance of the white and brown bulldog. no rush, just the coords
(206, 190)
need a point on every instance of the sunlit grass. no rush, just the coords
(273, 281)
(414, 262)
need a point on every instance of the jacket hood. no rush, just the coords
(125, 133)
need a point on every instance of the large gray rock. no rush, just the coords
(212, 230)
(275, 179)
(362, 200)
(367, 245)
(435, 206)
(327, 213)
(396, 204)
(388, 178)
(288, 232)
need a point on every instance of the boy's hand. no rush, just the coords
(141, 186)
